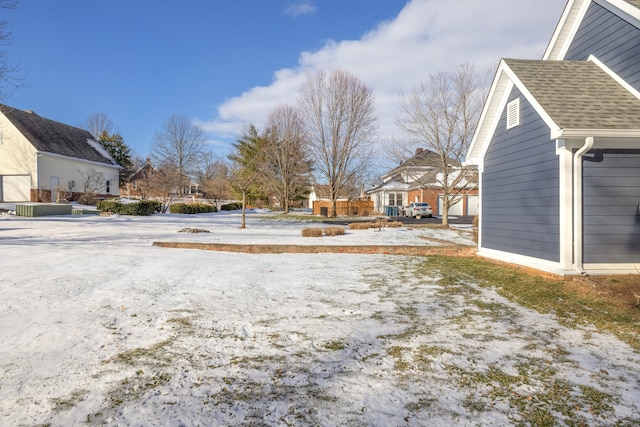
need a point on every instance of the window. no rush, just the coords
(108, 186)
(395, 199)
(513, 113)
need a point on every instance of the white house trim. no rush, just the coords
(596, 133)
(577, 205)
(534, 103)
(565, 164)
(530, 262)
(614, 76)
(612, 268)
(496, 101)
(566, 29)
(624, 9)
(60, 156)
(506, 89)
(572, 17)
(556, 268)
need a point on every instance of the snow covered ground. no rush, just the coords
(99, 327)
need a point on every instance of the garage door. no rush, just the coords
(15, 188)
(473, 205)
(455, 209)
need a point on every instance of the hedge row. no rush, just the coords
(194, 208)
(231, 207)
(142, 208)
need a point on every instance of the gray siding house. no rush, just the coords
(558, 148)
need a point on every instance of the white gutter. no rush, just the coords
(577, 205)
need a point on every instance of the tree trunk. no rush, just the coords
(445, 211)
(286, 201)
(244, 205)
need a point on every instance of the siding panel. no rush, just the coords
(610, 39)
(520, 195)
(610, 207)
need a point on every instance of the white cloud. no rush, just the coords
(301, 8)
(427, 37)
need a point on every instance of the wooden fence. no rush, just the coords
(344, 208)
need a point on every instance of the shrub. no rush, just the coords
(194, 208)
(312, 232)
(334, 231)
(231, 206)
(88, 199)
(360, 225)
(142, 208)
(394, 224)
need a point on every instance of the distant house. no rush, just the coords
(137, 184)
(420, 179)
(347, 203)
(558, 148)
(40, 158)
(320, 192)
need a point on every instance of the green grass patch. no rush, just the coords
(570, 307)
(334, 345)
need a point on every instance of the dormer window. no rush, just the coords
(513, 113)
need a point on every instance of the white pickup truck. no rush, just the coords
(418, 210)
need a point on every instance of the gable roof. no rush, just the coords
(572, 16)
(49, 136)
(322, 191)
(577, 94)
(574, 98)
(143, 171)
(423, 159)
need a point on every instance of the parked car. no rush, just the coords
(418, 210)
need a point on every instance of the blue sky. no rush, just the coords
(226, 63)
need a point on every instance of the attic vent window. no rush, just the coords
(513, 113)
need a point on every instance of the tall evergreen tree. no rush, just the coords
(120, 151)
(246, 167)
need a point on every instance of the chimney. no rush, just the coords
(419, 150)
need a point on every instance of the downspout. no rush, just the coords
(577, 205)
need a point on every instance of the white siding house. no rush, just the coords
(39, 157)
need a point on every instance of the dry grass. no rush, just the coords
(312, 232)
(606, 302)
(334, 231)
(319, 232)
(369, 224)
(360, 225)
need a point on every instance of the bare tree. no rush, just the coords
(441, 115)
(161, 185)
(98, 124)
(287, 166)
(9, 79)
(143, 177)
(179, 144)
(338, 112)
(92, 181)
(213, 178)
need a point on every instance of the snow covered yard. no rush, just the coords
(100, 327)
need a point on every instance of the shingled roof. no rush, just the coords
(578, 94)
(422, 159)
(57, 138)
